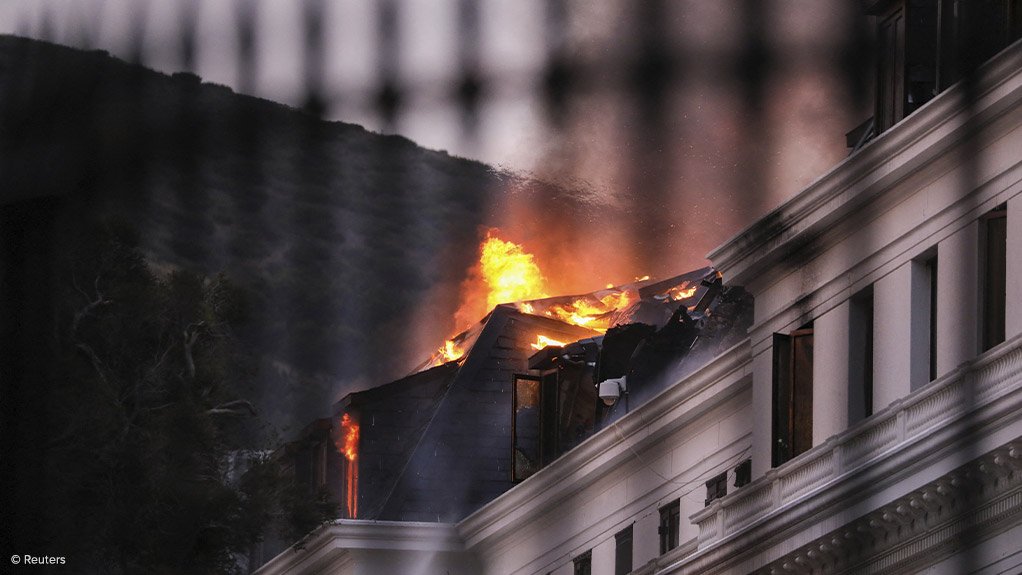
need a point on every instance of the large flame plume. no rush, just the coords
(347, 445)
(511, 274)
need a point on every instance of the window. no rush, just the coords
(584, 563)
(525, 427)
(716, 488)
(743, 473)
(971, 32)
(931, 269)
(890, 85)
(860, 356)
(925, 46)
(907, 58)
(994, 259)
(670, 526)
(793, 394)
(623, 551)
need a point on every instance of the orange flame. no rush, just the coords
(449, 352)
(592, 313)
(682, 292)
(347, 445)
(510, 272)
(544, 341)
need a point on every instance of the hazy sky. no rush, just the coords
(722, 155)
(511, 56)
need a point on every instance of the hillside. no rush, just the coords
(311, 217)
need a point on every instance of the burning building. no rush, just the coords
(868, 419)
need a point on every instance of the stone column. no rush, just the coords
(1013, 321)
(762, 414)
(901, 333)
(957, 298)
(830, 373)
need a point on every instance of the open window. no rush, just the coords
(993, 267)
(526, 427)
(716, 488)
(860, 356)
(793, 394)
(906, 58)
(670, 526)
(584, 563)
(623, 551)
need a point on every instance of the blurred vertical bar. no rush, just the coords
(470, 86)
(753, 69)
(652, 78)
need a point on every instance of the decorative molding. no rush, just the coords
(967, 505)
(925, 430)
(332, 542)
(947, 399)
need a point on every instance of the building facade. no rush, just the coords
(870, 423)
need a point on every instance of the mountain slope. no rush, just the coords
(311, 217)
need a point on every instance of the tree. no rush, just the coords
(148, 415)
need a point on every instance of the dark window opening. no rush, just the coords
(925, 46)
(670, 526)
(743, 473)
(972, 31)
(623, 551)
(793, 394)
(931, 267)
(584, 563)
(716, 488)
(526, 427)
(860, 356)
(994, 261)
(890, 86)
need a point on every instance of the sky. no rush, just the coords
(511, 55)
(726, 146)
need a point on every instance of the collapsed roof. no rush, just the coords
(438, 444)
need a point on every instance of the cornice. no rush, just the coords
(866, 176)
(332, 541)
(967, 505)
(916, 440)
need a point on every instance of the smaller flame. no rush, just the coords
(642, 279)
(681, 292)
(526, 307)
(543, 341)
(348, 443)
(449, 352)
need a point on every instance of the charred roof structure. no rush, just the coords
(439, 444)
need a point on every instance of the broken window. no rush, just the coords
(994, 260)
(584, 563)
(670, 526)
(525, 427)
(793, 394)
(623, 551)
(716, 488)
(860, 356)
